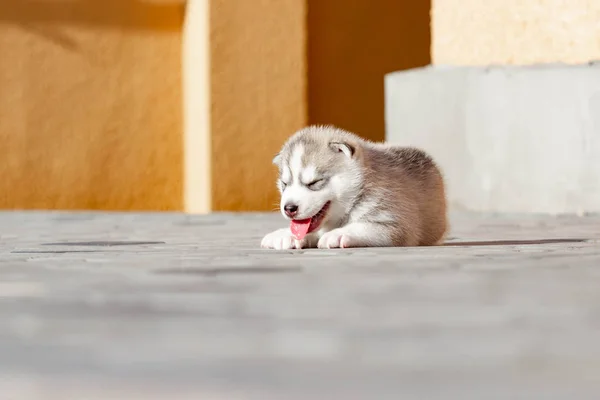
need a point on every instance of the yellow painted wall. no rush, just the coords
(257, 96)
(352, 44)
(277, 65)
(90, 104)
(476, 32)
(129, 105)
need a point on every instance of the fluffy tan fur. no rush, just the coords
(396, 193)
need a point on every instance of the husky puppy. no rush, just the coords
(339, 190)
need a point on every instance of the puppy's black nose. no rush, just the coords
(290, 210)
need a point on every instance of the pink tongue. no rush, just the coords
(299, 228)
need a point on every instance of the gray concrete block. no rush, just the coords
(509, 139)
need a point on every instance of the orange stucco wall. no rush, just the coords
(257, 96)
(277, 65)
(476, 32)
(136, 105)
(90, 107)
(352, 44)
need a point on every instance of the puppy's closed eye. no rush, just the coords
(316, 184)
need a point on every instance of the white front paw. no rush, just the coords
(335, 239)
(282, 239)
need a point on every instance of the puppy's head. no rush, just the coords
(319, 174)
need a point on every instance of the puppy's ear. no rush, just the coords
(341, 147)
(277, 159)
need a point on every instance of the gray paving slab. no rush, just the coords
(170, 306)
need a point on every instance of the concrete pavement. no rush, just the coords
(168, 306)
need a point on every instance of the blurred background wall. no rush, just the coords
(515, 32)
(181, 105)
(352, 44)
(90, 104)
(275, 66)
